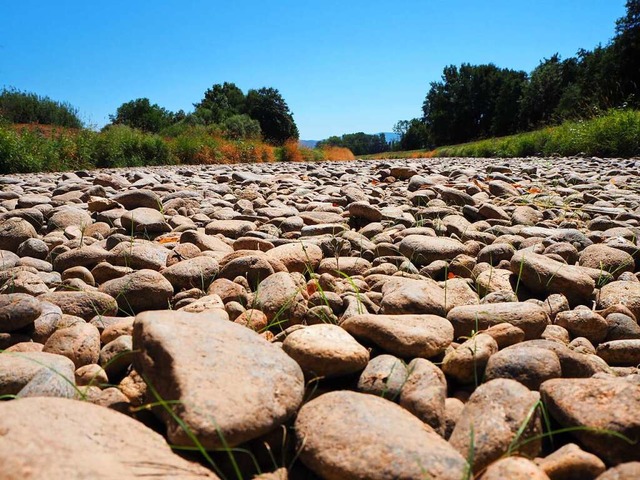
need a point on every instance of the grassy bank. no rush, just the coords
(614, 134)
(36, 148)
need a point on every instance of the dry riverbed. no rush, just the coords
(401, 319)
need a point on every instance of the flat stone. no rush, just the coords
(494, 415)
(85, 305)
(17, 310)
(61, 438)
(348, 435)
(601, 405)
(326, 350)
(531, 319)
(232, 384)
(405, 336)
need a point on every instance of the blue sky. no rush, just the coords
(342, 66)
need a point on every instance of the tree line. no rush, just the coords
(472, 102)
(359, 143)
(224, 108)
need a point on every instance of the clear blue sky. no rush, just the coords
(342, 66)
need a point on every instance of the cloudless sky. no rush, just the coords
(342, 66)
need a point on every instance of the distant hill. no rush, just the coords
(308, 143)
(389, 137)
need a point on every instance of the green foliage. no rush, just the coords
(24, 107)
(472, 101)
(359, 143)
(267, 106)
(122, 146)
(480, 101)
(141, 114)
(241, 126)
(413, 135)
(220, 102)
(237, 113)
(615, 134)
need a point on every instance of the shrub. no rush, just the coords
(24, 107)
(122, 146)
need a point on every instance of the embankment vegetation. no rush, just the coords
(226, 126)
(476, 102)
(613, 134)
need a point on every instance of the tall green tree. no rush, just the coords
(542, 94)
(413, 134)
(626, 44)
(220, 102)
(472, 101)
(267, 106)
(144, 115)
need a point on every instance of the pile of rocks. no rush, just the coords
(401, 319)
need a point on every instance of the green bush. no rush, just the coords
(24, 107)
(122, 146)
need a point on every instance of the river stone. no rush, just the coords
(230, 381)
(8, 259)
(601, 404)
(325, 350)
(195, 272)
(571, 462)
(405, 336)
(144, 219)
(14, 231)
(348, 436)
(530, 318)
(132, 199)
(583, 323)
(606, 258)
(405, 295)
(624, 471)
(384, 377)
(625, 293)
(298, 257)
(69, 216)
(620, 352)
(280, 298)
(80, 343)
(424, 393)
(494, 415)
(85, 305)
(529, 366)
(36, 374)
(516, 468)
(422, 250)
(88, 256)
(17, 310)
(543, 275)
(51, 438)
(139, 291)
(466, 364)
(140, 255)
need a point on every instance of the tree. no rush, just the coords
(267, 106)
(359, 143)
(220, 102)
(542, 94)
(470, 102)
(24, 107)
(626, 44)
(413, 134)
(143, 115)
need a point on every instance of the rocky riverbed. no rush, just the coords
(405, 319)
